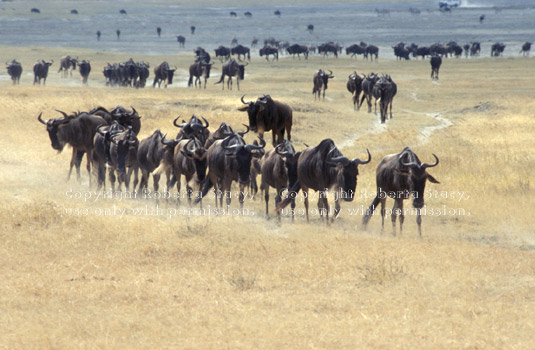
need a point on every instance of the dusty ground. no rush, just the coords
(90, 280)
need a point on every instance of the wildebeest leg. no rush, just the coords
(144, 179)
(238, 83)
(305, 194)
(156, 181)
(178, 177)
(401, 215)
(229, 83)
(395, 211)
(266, 198)
(242, 195)
(278, 198)
(111, 175)
(75, 162)
(337, 204)
(89, 161)
(383, 213)
(419, 221)
(369, 101)
(391, 102)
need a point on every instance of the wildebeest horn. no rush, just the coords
(100, 131)
(41, 120)
(179, 125)
(283, 153)
(335, 160)
(331, 72)
(134, 112)
(169, 143)
(112, 138)
(64, 114)
(244, 132)
(227, 140)
(245, 103)
(426, 165)
(255, 147)
(206, 122)
(358, 161)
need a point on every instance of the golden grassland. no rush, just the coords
(241, 281)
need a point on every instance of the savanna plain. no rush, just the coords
(77, 274)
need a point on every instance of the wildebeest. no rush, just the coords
(277, 13)
(297, 49)
(85, 69)
(14, 69)
(181, 40)
(526, 48)
(372, 50)
(266, 114)
(386, 89)
(400, 176)
(354, 86)
(241, 50)
(329, 47)
(35, 10)
(320, 81)
(76, 130)
(201, 55)
(67, 64)
(454, 49)
(355, 50)
(382, 12)
(159, 31)
(122, 12)
(421, 51)
(233, 14)
(193, 128)
(481, 19)
(229, 160)
(220, 133)
(466, 49)
(143, 74)
(234, 42)
(118, 32)
(268, 50)
(162, 72)
(310, 28)
(198, 70)
(248, 14)
(279, 170)
(367, 90)
(74, 12)
(497, 49)
(438, 49)
(231, 69)
(324, 168)
(254, 43)
(150, 153)
(401, 52)
(40, 71)
(98, 35)
(414, 11)
(436, 61)
(223, 53)
(192, 29)
(475, 49)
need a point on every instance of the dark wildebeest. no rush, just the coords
(201, 55)
(122, 12)
(67, 64)
(481, 19)
(181, 40)
(279, 170)
(475, 49)
(323, 168)
(454, 49)
(241, 50)
(355, 50)
(248, 14)
(372, 50)
(497, 49)
(436, 61)
(150, 153)
(35, 10)
(320, 83)
(85, 69)
(254, 43)
(414, 11)
(143, 73)
(266, 114)
(159, 31)
(310, 28)
(328, 47)
(400, 176)
(223, 131)
(118, 32)
(192, 29)
(77, 131)
(233, 14)
(401, 52)
(98, 35)
(297, 49)
(466, 50)
(438, 49)
(234, 41)
(231, 69)
(367, 90)
(277, 13)
(386, 89)
(74, 12)
(199, 70)
(40, 71)
(163, 73)
(193, 128)
(14, 69)
(526, 48)
(223, 53)
(382, 12)
(354, 86)
(268, 50)
(229, 160)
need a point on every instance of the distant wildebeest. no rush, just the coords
(436, 61)
(192, 29)
(122, 12)
(74, 12)
(310, 28)
(277, 13)
(324, 168)
(320, 83)
(401, 52)
(414, 11)
(230, 160)
(371, 50)
(40, 71)
(199, 70)
(497, 49)
(329, 47)
(162, 72)
(526, 48)
(223, 53)
(297, 49)
(220, 133)
(118, 32)
(193, 128)
(466, 49)
(400, 176)
(481, 19)
(67, 64)
(231, 69)
(150, 153)
(234, 41)
(159, 31)
(98, 35)
(85, 69)
(181, 40)
(445, 9)
(248, 14)
(367, 90)
(279, 170)
(143, 74)
(14, 69)
(254, 43)
(35, 10)
(266, 114)
(241, 50)
(355, 50)
(386, 89)
(421, 51)
(438, 49)
(201, 55)
(454, 49)
(268, 50)
(354, 86)
(233, 14)
(382, 12)
(77, 131)
(475, 49)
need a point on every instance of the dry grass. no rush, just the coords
(152, 281)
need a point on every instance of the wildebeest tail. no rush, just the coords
(292, 193)
(220, 79)
(362, 99)
(370, 210)
(206, 187)
(190, 81)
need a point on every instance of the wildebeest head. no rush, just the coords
(416, 175)
(252, 109)
(235, 148)
(241, 71)
(194, 127)
(347, 171)
(287, 152)
(125, 142)
(195, 151)
(325, 77)
(52, 126)
(125, 118)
